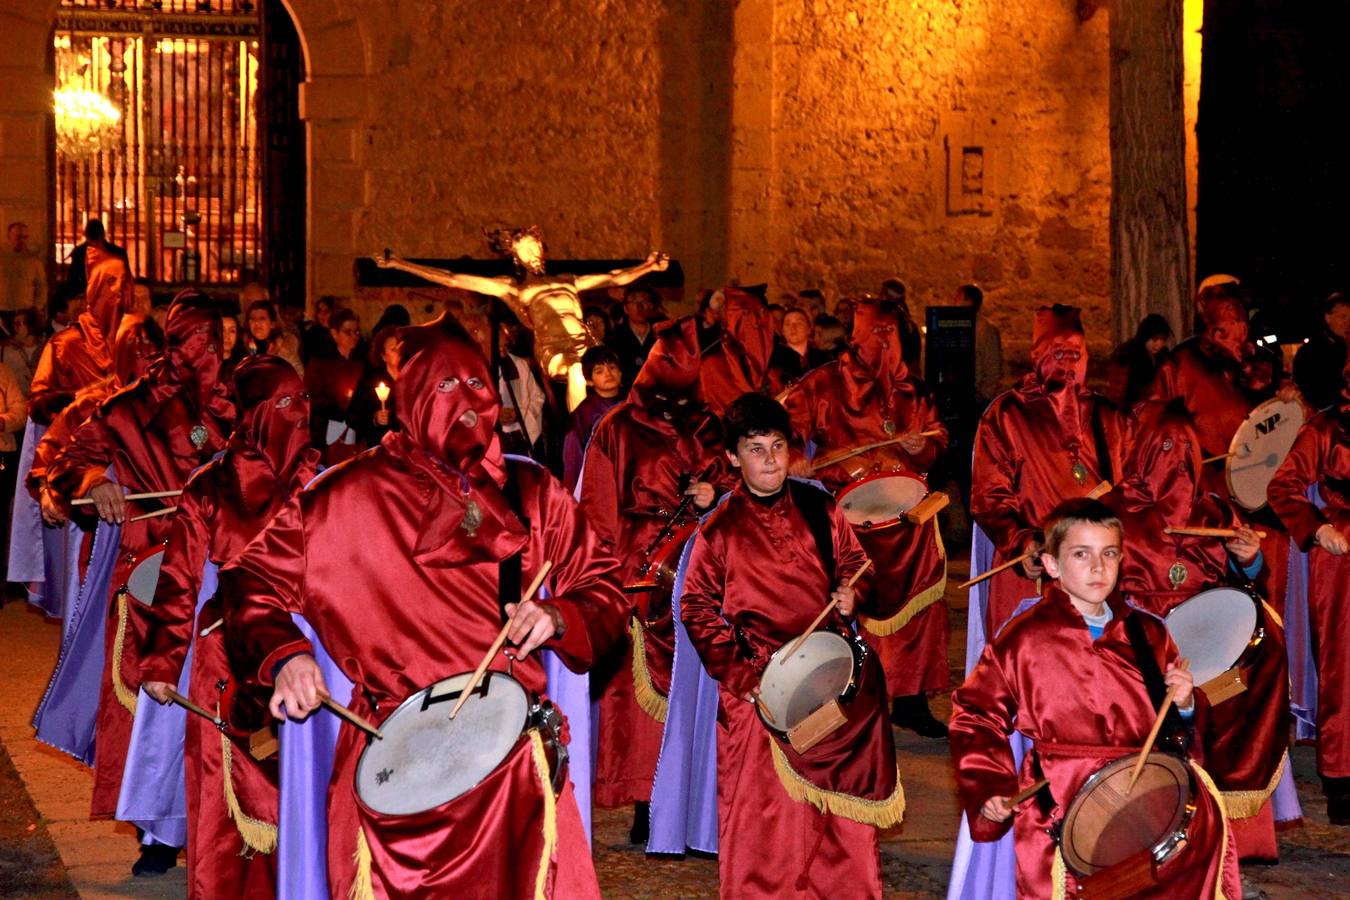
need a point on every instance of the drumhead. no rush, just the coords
(1259, 447)
(820, 671)
(1213, 629)
(145, 577)
(881, 499)
(427, 758)
(1103, 826)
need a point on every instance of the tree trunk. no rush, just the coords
(1150, 265)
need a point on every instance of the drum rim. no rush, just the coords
(1235, 444)
(1165, 847)
(530, 700)
(894, 473)
(1258, 628)
(856, 647)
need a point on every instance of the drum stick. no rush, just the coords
(995, 570)
(1101, 490)
(1198, 531)
(1026, 792)
(153, 495)
(849, 454)
(1222, 456)
(796, 645)
(212, 627)
(151, 515)
(1153, 733)
(352, 717)
(192, 707)
(500, 640)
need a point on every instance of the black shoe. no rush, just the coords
(641, 829)
(1337, 791)
(912, 712)
(156, 859)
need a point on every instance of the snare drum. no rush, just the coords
(881, 499)
(1259, 447)
(427, 759)
(824, 670)
(1104, 826)
(1218, 630)
(144, 577)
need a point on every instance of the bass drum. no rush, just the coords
(882, 499)
(1217, 630)
(1258, 448)
(826, 667)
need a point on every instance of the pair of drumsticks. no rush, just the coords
(152, 495)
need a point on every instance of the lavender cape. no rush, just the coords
(684, 793)
(66, 715)
(307, 750)
(154, 785)
(987, 870)
(1298, 640)
(981, 560)
(44, 559)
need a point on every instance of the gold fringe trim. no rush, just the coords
(1245, 804)
(258, 836)
(1223, 819)
(363, 885)
(1059, 877)
(1274, 616)
(648, 697)
(881, 813)
(125, 695)
(550, 815)
(916, 604)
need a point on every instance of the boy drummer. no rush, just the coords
(1076, 674)
(763, 566)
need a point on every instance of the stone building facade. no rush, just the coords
(807, 143)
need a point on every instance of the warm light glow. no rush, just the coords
(1192, 17)
(86, 122)
(382, 391)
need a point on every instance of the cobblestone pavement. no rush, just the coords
(916, 856)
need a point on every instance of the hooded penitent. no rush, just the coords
(666, 387)
(271, 439)
(448, 409)
(1226, 327)
(107, 297)
(739, 362)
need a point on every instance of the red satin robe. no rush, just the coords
(342, 555)
(909, 624)
(1083, 703)
(1023, 468)
(1321, 456)
(143, 433)
(65, 369)
(636, 468)
(755, 568)
(213, 524)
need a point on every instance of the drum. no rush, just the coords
(1259, 447)
(144, 577)
(882, 499)
(1104, 826)
(1218, 630)
(824, 669)
(427, 759)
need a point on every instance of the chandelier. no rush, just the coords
(86, 122)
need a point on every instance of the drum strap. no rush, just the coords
(1104, 466)
(1174, 728)
(811, 502)
(508, 570)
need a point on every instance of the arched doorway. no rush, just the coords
(177, 125)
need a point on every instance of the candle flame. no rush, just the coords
(382, 391)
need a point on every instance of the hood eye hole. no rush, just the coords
(1167, 444)
(447, 385)
(475, 382)
(284, 402)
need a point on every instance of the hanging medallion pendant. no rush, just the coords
(1079, 472)
(473, 517)
(1177, 574)
(198, 436)
(888, 426)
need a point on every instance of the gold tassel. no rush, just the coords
(363, 885)
(1208, 784)
(1059, 877)
(1245, 804)
(125, 695)
(881, 813)
(1274, 616)
(550, 814)
(648, 697)
(916, 604)
(258, 836)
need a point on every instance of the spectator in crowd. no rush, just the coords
(777, 311)
(13, 415)
(843, 311)
(1319, 365)
(22, 348)
(261, 318)
(988, 347)
(331, 382)
(710, 306)
(142, 300)
(597, 322)
(64, 310)
(829, 337)
(633, 339)
(604, 387)
(1133, 364)
(371, 417)
(395, 315)
(231, 349)
(315, 339)
(23, 278)
(895, 297)
(813, 301)
(94, 235)
(796, 355)
(522, 389)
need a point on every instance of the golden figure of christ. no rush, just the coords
(550, 305)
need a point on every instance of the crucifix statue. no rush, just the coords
(549, 304)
